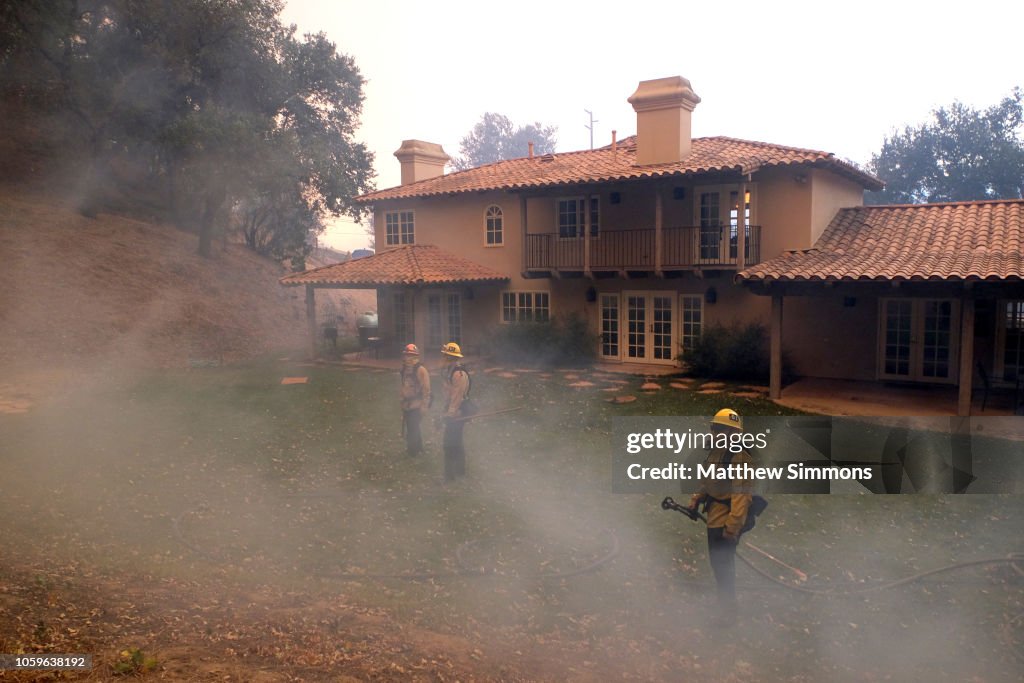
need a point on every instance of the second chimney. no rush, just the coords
(421, 160)
(663, 107)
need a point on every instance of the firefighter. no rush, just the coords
(726, 504)
(456, 386)
(414, 396)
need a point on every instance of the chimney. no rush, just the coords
(615, 145)
(531, 149)
(663, 108)
(421, 160)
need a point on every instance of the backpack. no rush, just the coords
(468, 408)
(754, 510)
(416, 379)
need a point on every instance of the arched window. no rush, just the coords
(493, 223)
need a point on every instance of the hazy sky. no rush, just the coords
(830, 76)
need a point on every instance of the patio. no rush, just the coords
(849, 397)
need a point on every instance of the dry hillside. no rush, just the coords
(114, 293)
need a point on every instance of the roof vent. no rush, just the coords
(548, 157)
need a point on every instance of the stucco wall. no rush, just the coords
(823, 338)
(829, 193)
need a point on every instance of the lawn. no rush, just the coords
(289, 522)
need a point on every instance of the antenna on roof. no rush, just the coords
(591, 126)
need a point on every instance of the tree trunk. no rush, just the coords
(215, 197)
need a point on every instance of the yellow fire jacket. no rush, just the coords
(738, 492)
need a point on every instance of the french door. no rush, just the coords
(650, 327)
(917, 339)
(444, 319)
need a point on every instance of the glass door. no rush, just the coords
(636, 312)
(917, 340)
(661, 328)
(610, 326)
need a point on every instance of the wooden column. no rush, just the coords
(775, 368)
(966, 354)
(587, 225)
(659, 240)
(522, 230)
(741, 229)
(311, 320)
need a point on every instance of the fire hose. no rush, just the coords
(1014, 560)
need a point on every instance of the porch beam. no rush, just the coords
(587, 224)
(522, 230)
(659, 240)
(311, 319)
(966, 355)
(775, 364)
(741, 228)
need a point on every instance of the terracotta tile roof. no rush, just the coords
(709, 155)
(411, 264)
(981, 240)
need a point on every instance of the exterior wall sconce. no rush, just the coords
(849, 301)
(615, 198)
(710, 296)
(800, 179)
(678, 193)
(468, 294)
(591, 295)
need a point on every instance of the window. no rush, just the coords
(734, 206)
(1013, 340)
(610, 325)
(399, 228)
(571, 217)
(691, 316)
(525, 307)
(710, 227)
(494, 224)
(455, 318)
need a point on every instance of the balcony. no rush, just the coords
(683, 248)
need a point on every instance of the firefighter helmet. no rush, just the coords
(411, 350)
(452, 349)
(727, 417)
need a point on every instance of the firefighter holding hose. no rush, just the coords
(726, 503)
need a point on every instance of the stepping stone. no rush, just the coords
(493, 370)
(581, 384)
(610, 389)
(506, 375)
(650, 386)
(621, 399)
(755, 387)
(710, 391)
(525, 370)
(571, 376)
(713, 385)
(684, 380)
(679, 385)
(294, 380)
(746, 394)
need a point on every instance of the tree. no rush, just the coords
(961, 154)
(495, 138)
(222, 106)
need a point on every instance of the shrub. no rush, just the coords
(738, 351)
(560, 342)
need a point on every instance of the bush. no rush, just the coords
(738, 351)
(560, 342)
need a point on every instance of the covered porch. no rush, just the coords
(424, 294)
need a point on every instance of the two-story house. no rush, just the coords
(655, 236)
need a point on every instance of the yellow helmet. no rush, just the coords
(727, 417)
(452, 349)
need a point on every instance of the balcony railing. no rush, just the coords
(682, 247)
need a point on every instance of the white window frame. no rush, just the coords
(517, 306)
(590, 203)
(683, 323)
(999, 364)
(617, 299)
(494, 226)
(399, 237)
